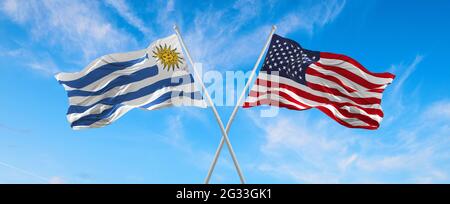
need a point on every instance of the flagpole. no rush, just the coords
(213, 107)
(238, 104)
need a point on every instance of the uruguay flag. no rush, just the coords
(114, 84)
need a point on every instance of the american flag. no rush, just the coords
(296, 78)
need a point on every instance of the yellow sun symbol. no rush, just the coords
(169, 57)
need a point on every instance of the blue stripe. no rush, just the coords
(93, 118)
(101, 72)
(119, 81)
(176, 81)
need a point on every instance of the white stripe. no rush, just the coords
(331, 84)
(350, 121)
(106, 59)
(352, 68)
(179, 101)
(104, 81)
(331, 97)
(274, 97)
(127, 88)
(312, 103)
(98, 108)
(124, 109)
(344, 79)
(171, 40)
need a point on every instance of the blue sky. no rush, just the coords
(176, 145)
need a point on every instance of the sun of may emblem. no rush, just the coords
(168, 57)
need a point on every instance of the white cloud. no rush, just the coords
(406, 72)
(220, 37)
(303, 149)
(39, 62)
(75, 25)
(39, 178)
(312, 18)
(439, 110)
(46, 67)
(170, 5)
(123, 9)
(394, 100)
(56, 180)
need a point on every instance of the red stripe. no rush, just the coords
(355, 63)
(324, 110)
(271, 102)
(344, 112)
(376, 90)
(319, 99)
(350, 75)
(336, 92)
(331, 115)
(316, 73)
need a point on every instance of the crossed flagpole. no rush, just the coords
(216, 114)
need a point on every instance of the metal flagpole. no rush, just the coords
(238, 104)
(213, 107)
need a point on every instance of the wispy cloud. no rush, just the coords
(13, 129)
(395, 99)
(312, 18)
(215, 31)
(41, 179)
(56, 180)
(46, 67)
(306, 149)
(75, 25)
(123, 10)
(39, 62)
(439, 110)
(406, 71)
